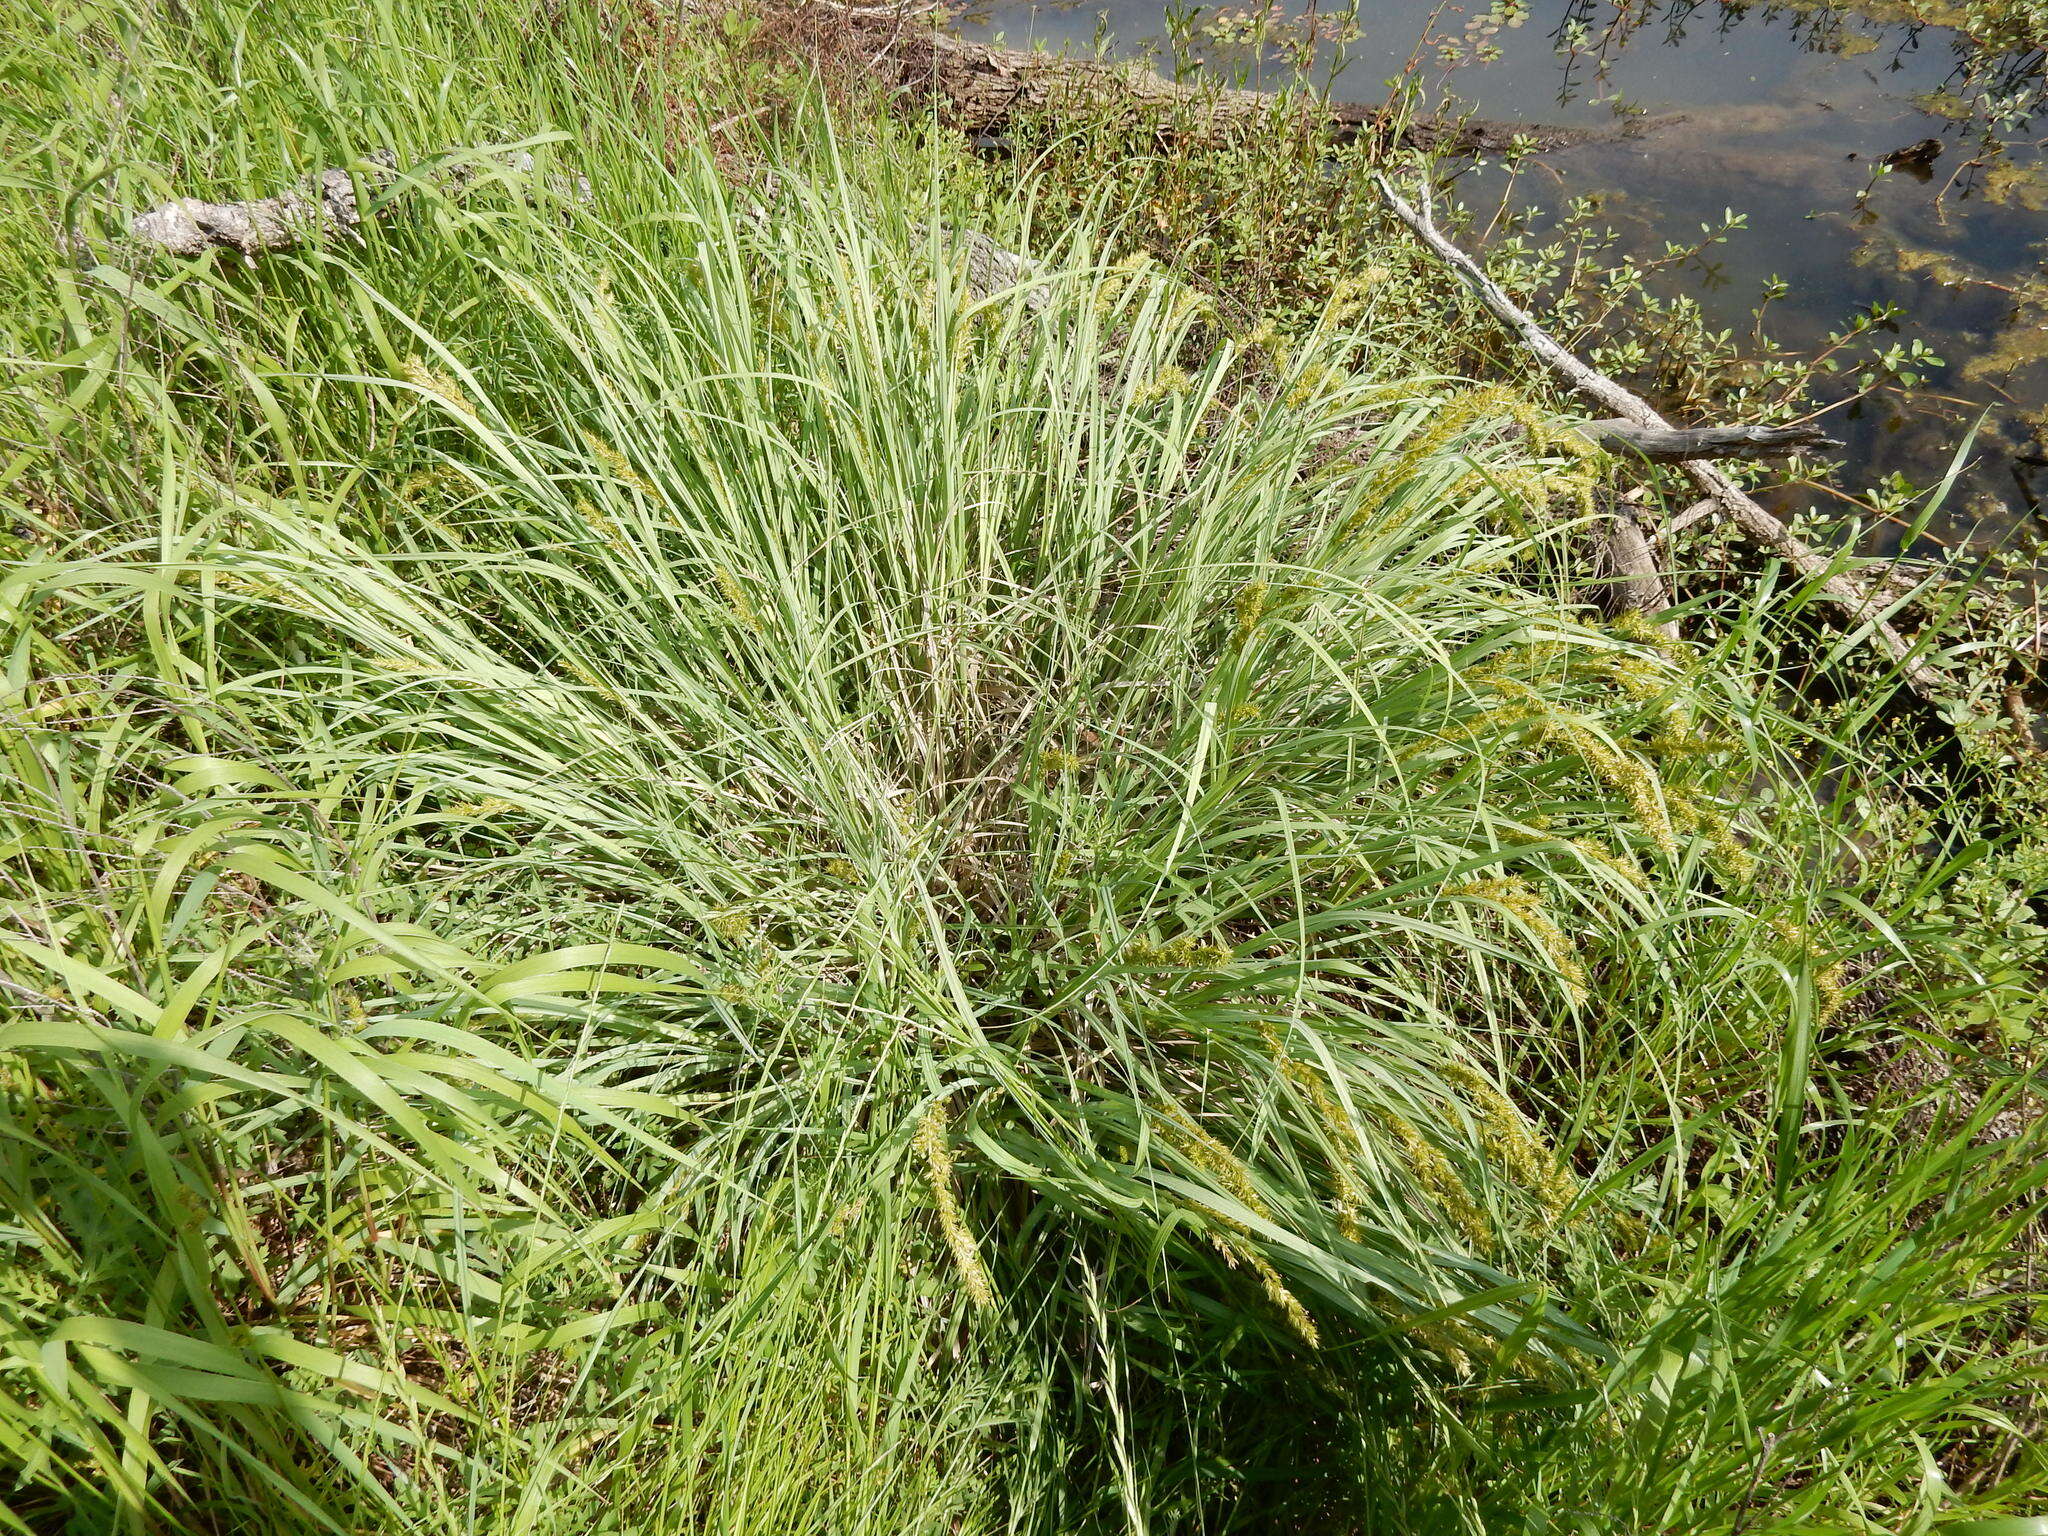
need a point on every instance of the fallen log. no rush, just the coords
(1675, 445)
(1635, 578)
(1859, 606)
(187, 226)
(991, 269)
(326, 202)
(980, 89)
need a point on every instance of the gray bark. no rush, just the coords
(1754, 522)
(187, 226)
(1674, 445)
(324, 204)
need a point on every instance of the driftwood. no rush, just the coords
(1630, 577)
(186, 226)
(324, 204)
(979, 89)
(991, 269)
(1858, 605)
(1674, 445)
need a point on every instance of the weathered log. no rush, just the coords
(1636, 582)
(991, 269)
(1858, 605)
(322, 205)
(1674, 445)
(186, 226)
(980, 89)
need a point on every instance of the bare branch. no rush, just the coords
(1857, 605)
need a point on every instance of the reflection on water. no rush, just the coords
(1785, 113)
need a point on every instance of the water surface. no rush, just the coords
(1787, 115)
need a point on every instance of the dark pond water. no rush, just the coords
(1787, 115)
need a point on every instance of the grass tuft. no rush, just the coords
(668, 870)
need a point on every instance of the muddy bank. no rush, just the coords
(1864, 151)
(983, 89)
